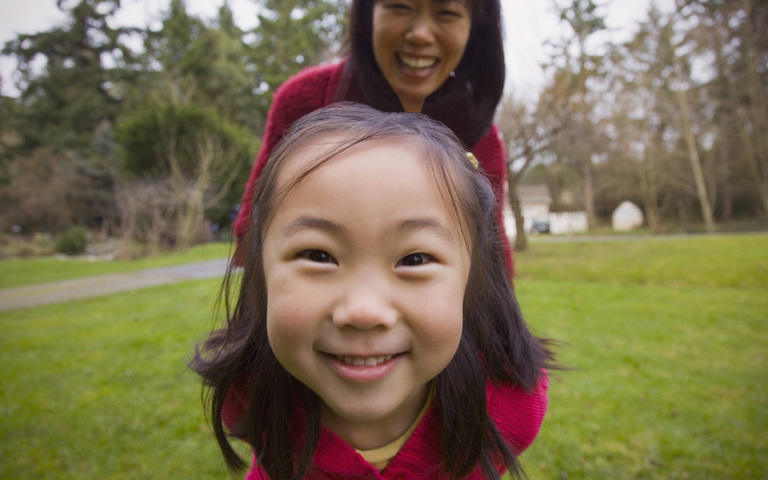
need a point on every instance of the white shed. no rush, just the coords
(627, 216)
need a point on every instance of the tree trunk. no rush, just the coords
(726, 118)
(521, 239)
(726, 210)
(553, 171)
(649, 188)
(693, 155)
(759, 113)
(190, 218)
(589, 190)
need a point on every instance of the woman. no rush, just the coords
(444, 58)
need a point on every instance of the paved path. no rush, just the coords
(65, 290)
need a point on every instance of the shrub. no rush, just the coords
(72, 241)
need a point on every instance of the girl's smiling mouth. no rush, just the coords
(364, 361)
(363, 369)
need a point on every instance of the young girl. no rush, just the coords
(375, 333)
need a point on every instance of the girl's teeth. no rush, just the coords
(364, 362)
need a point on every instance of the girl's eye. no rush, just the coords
(317, 256)
(415, 260)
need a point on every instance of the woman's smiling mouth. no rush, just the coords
(416, 62)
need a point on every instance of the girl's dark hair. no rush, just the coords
(467, 101)
(495, 344)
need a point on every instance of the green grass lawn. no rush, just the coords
(666, 341)
(15, 272)
(98, 389)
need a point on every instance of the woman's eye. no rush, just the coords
(317, 256)
(398, 6)
(415, 259)
(450, 13)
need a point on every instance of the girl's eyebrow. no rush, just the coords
(425, 223)
(403, 227)
(314, 223)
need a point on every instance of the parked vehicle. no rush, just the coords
(539, 226)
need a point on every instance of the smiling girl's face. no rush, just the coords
(417, 43)
(365, 270)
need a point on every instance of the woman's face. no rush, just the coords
(418, 43)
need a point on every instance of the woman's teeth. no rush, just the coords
(364, 362)
(417, 62)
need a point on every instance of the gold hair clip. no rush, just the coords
(472, 160)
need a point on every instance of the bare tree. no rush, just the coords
(526, 136)
(193, 192)
(693, 152)
(757, 135)
(190, 150)
(580, 68)
(145, 214)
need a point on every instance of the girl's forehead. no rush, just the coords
(324, 150)
(405, 162)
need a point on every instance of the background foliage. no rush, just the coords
(175, 123)
(674, 119)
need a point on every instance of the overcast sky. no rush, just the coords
(528, 24)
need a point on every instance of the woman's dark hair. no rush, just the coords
(495, 344)
(467, 101)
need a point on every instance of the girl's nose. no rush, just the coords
(420, 32)
(365, 306)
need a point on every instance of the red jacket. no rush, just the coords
(317, 87)
(517, 414)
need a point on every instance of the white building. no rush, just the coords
(535, 202)
(627, 216)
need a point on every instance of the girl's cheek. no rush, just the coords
(287, 317)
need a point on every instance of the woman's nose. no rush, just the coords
(421, 30)
(365, 305)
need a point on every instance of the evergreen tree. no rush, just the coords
(208, 66)
(188, 136)
(292, 35)
(74, 93)
(58, 138)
